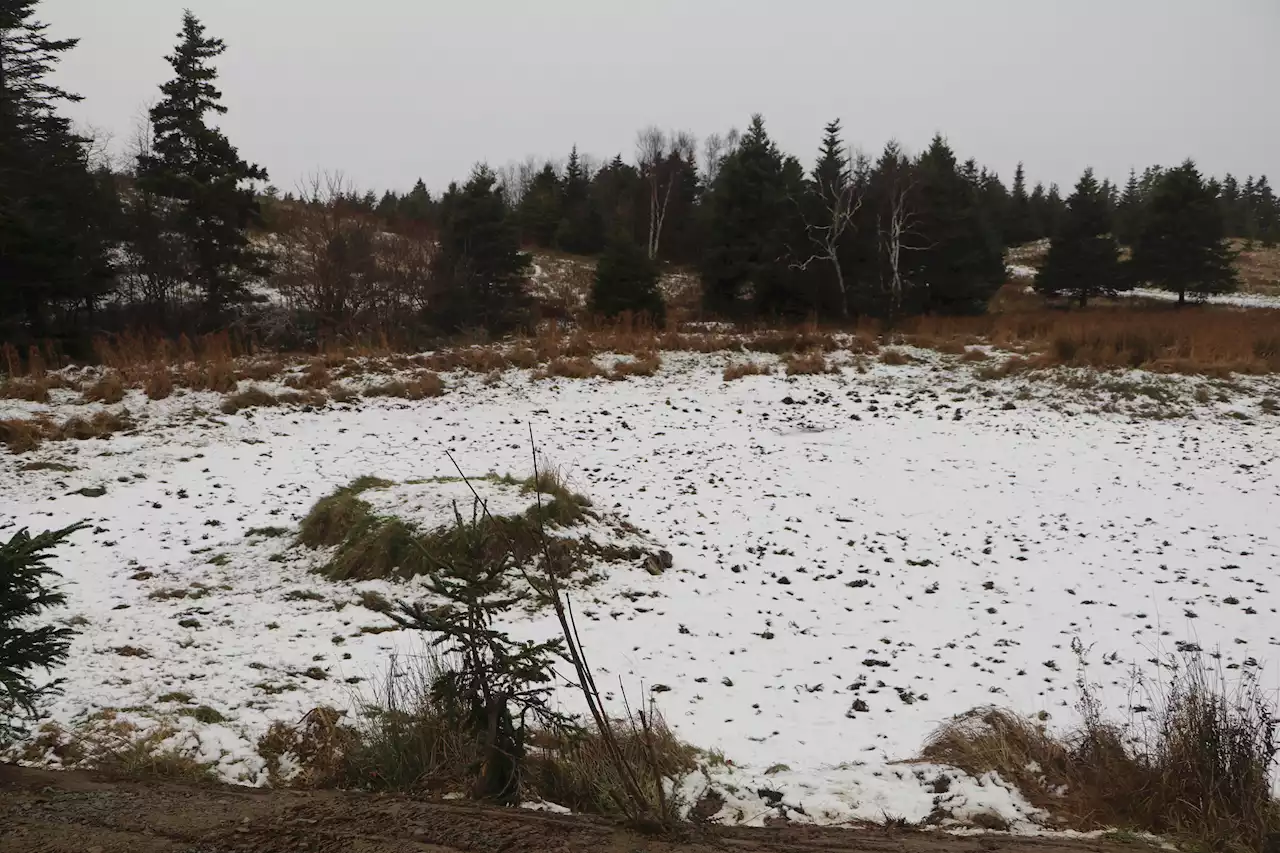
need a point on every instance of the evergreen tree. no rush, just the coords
(1055, 210)
(24, 595)
(1084, 259)
(581, 228)
(963, 266)
(542, 208)
(388, 206)
(1128, 211)
(1266, 213)
(480, 266)
(195, 165)
(1180, 246)
(748, 228)
(616, 194)
(1038, 206)
(1018, 227)
(418, 207)
(53, 209)
(627, 280)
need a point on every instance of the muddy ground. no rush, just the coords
(51, 812)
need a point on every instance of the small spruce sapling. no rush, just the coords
(25, 593)
(499, 686)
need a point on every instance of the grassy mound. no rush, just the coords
(371, 546)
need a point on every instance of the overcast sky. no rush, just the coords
(390, 90)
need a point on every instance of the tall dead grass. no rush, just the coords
(1195, 764)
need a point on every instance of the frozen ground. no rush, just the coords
(856, 557)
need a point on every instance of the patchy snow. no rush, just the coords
(1022, 271)
(1237, 300)
(866, 793)
(912, 540)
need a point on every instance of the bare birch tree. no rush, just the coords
(656, 152)
(895, 232)
(841, 200)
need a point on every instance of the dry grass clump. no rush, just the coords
(896, 357)
(99, 425)
(252, 397)
(340, 393)
(643, 365)
(158, 384)
(261, 370)
(333, 517)
(1197, 766)
(33, 389)
(581, 367)
(812, 363)
(406, 738)
(425, 384)
(22, 435)
(315, 377)
(119, 747)
(974, 354)
(739, 369)
(1009, 367)
(108, 389)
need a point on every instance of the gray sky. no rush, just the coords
(389, 90)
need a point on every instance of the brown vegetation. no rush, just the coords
(1197, 766)
(812, 363)
(108, 389)
(739, 369)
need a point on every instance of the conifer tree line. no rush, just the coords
(186, 235)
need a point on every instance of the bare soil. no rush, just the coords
(51, 812)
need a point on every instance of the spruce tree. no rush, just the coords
(963, 266)
(53, 211)
(417, 206)
(581, 228)
(1018, 228)
(480, 266)
(1180, 246)
(1128, 211)
(627, 280)
(1038, 208)
(1084, 260)
(542, 208)
(25, 594)
(744, 262)
(194, 165)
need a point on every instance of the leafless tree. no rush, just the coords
(841, 199)
(515, 178)
(715, 148)
(658, 155)
(896, 233)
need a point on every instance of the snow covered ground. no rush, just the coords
(857, 557)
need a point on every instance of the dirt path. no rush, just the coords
(49, 812)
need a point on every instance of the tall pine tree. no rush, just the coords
(744, 265)
(1084, 260)
(1018, 228)
(53, 212)
(1180, 246)
(194, 165)
(480, 266)
(963, 266)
